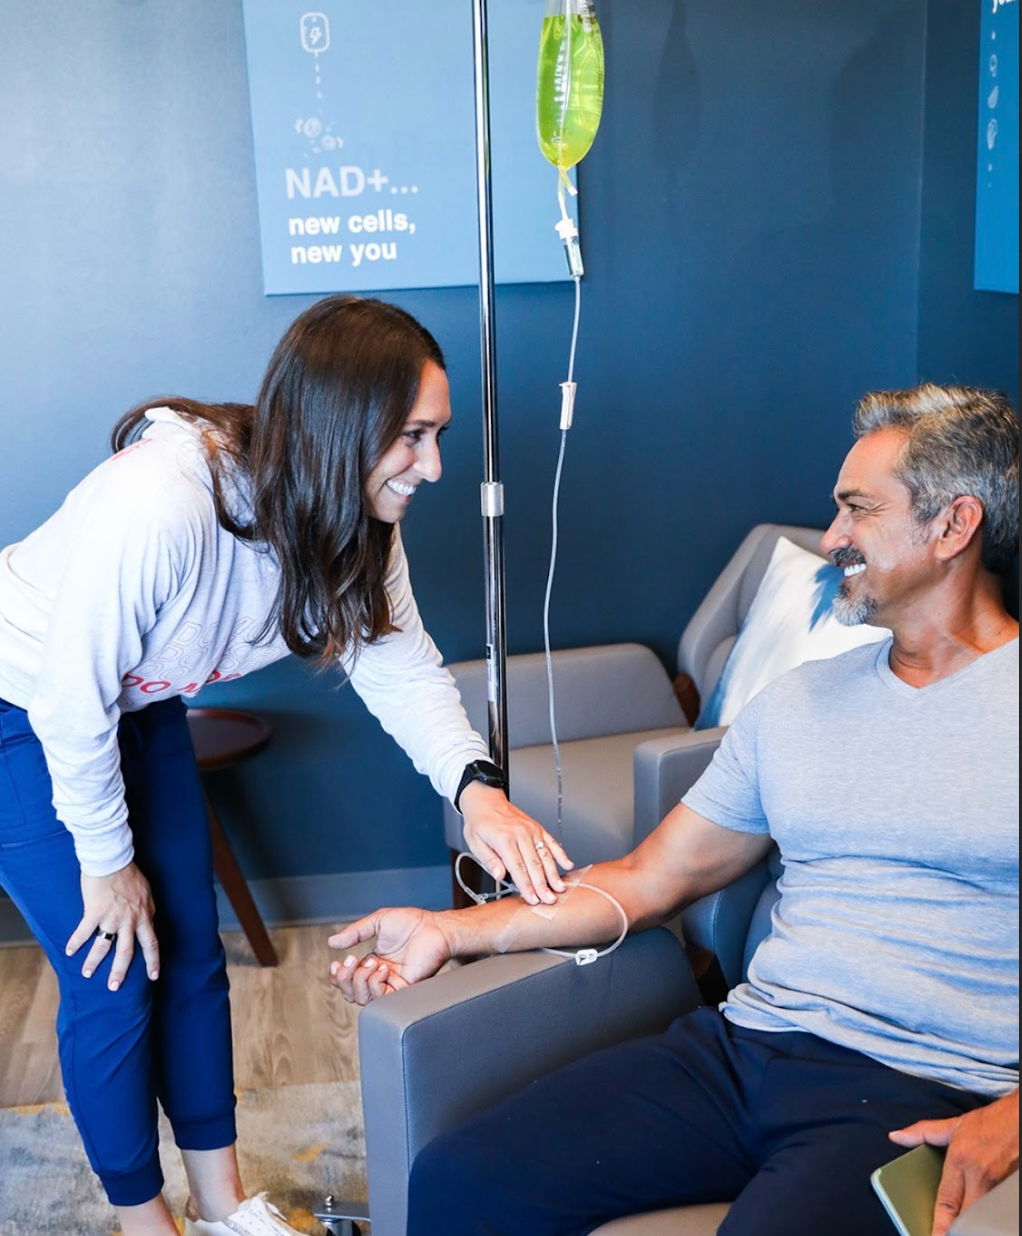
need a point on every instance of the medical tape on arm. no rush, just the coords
(514, 926)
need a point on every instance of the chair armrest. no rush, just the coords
(732, 922)
(665, 770)
(435, 1054)
(994, 1214)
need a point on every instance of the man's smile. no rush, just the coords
(848, 561)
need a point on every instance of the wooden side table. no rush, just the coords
(223, 738)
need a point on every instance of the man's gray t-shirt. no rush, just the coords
(895, 810)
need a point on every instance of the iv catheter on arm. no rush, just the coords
(514, 926)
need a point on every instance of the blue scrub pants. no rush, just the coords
(169, 1040)
(787, 1124)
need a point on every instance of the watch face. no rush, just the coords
(483, 770)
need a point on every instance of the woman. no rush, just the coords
(217, 539)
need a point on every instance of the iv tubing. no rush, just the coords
(550, 574)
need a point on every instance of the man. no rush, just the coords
(881, 1012)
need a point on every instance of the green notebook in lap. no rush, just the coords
(908, 1185)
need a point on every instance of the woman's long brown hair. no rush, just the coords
(337, 392)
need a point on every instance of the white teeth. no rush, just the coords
(399, 487)
(856, 569)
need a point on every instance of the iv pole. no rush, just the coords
(491, 490)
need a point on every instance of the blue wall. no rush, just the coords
(752, 217)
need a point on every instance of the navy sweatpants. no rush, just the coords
(787, 1124)
(170, 1041)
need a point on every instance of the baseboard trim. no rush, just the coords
(342, 895)
(295, 900)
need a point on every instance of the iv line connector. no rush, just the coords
(568, 390)
(491, 496)
(568, 232)
(573, 256)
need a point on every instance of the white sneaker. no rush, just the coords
(254, 1217)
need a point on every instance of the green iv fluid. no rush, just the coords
(569, 84)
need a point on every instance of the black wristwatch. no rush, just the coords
(484, 771)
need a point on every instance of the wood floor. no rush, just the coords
(290, 1025)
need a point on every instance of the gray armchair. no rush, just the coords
(435, 1054)
(619, 719)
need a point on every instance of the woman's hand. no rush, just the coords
(409, 946)
(118, 908)
(507, 841)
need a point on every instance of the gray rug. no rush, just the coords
(297, 1142)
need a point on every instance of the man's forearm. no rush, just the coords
(683, 859)
(580, 916)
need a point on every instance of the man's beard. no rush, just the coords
(848, 612)
(853, 613)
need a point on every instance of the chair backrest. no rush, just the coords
(608, 689)
(715, 625)
(733, 922)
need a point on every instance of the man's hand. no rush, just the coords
(508, 842)
(410, 946)
(118, 908)
(982, 1150)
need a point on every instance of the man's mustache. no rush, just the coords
(847, 557)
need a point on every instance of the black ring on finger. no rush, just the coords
(105, 935)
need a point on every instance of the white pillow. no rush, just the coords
(790, 621)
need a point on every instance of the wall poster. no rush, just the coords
(363, 121)
(997, 160)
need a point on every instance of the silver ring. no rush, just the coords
(540, 846)
(106, 935)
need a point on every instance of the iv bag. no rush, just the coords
(569, 82)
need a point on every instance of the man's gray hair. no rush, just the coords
(960, 441)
